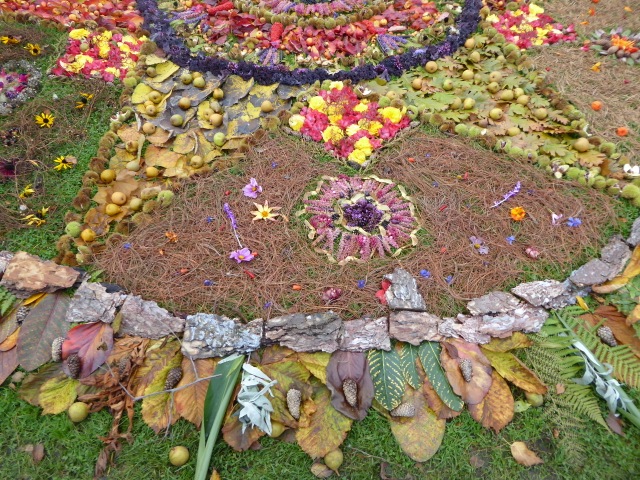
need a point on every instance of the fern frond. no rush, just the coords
(580, 398)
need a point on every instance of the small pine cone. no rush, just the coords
(173, 378)
(74, 364)
(350, 390)
(56, 349)
(122, 365)
(606, 335)
(22, 313)
(466, 368)
(293, 402)
(405, 409)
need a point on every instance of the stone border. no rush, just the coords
(496, 314)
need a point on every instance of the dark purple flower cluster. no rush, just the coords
(163, 34)
(362, 214)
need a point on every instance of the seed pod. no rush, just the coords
(350, 390)
(405, 409)
(606, 335)
(466, 368)
(294, 398)
(56, 349)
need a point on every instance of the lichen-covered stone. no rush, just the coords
(208, 335)
(634, 236)
(5, 258)
(147, 319)
(494, 302)
(616, 253)
(27, 274)
(93, 303)
(364, 334)
(414, 327)
(403, 293)
(594, 272)
(313, 332)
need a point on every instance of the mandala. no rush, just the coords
(334, 39)
(18, 82)
(356, 218)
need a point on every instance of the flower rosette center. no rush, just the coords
(357, 218)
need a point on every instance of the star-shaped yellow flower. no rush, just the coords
(265, 212)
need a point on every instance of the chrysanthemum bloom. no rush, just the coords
(265, 212)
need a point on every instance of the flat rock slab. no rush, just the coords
(414, 327)
(594, 272)
(616, 253)
(494, 302)
(92, 303)
(147, 319)
(364, 334)
(403, 293)
(314, 332)
(26, 275)
(634, 236)
(5, 258)
(209, 335)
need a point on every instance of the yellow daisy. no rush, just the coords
(27, 191)
(34, 49)
(45, 119)
(38, 218)
(84, 99)
(9, 39)
(62, 163)
(265, 212)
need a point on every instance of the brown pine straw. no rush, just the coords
(450, 208)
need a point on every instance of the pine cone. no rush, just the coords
(293, 402)
(350, 390)
(22, 313)
(74, 364)
(173, 378)
(606, 335)
(405, 409)
(122, 365)
(466, 368)
(56, 349)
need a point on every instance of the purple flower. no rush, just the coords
(362, 283)
(268, 304)
(232, 217)
(573, 222)
(209, 219)
(252, 189)
(274, 164)
(508, 195)
(510, 239)
(208, 283)
(478, 244)
(449, 280)
(425, 273)
(241, 255)
(126, 246)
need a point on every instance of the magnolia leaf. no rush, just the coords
(92, 342)
(387, 376)
(429, 353)
(409, 358)
(8, 363)
(454, 352)
(189, 401)
(513, 370)
(158, 411)
(523, 455)
(235, 88)
(232, 434)
(57, 394)
(419, 436)
(158, 356)
(327, 427)
(495, 411)
(515, 340)
(632, 269)
(44, 323)
(316, 363)
(435, 402)
(30, 387)
(617, 322)
(352, 366)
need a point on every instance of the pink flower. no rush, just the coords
(242, 255)
(252, 189)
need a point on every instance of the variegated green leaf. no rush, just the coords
(429, 353)
(388, 377)
(408, 356)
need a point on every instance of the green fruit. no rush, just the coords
(493, 87)
(573, 173)
(475, 131)
(581, 145)
(544, 161)
(518, 92)
(108, 176)
(636, 202)
(151, 72)
(607, 148)
(506, 95)
(218, 94)
(135, 204)
(630, 191)
(468, 103)
(78, 411)
(416, 84)
(495, 77)
(266, 106)
(513, 131)
(475, 56)
(461, 129)
(196, 161)
(118, 198)
(184, 103)
(199, 82)
(523, 99)
(73, 229)
(600, 183)
(334, 459)
(431, 67)
(216, 119)
(176, 120)
(165, 197)
(277, 429)
(178, 456)
(219, 139)
(155, 96)
(470, 42)
(467, 75)
(496, 113)
(152, 172)
(130, 82)
(148, 128)
(384, 101)
(133, 166)
(112, 209)
(186, 78)
(456, 104)
(614, 190)
(88, 235)
(540, 113)
(447, 85)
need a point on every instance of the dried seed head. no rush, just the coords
(294, 397)
(606, 335)
(405, 409)
(350, 390)
(56, 349)
(466, 368)
(74, 364)
(173, 378)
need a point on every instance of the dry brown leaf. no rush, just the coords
(8, 363)
(560, 388)
(190, 401)
(617, 322)
(632, 269)
(523, 455)
(615, 424)
(232, 434)
(38, 453)
(515, 340)
(456, 350)
(495, 411)
(10, 341)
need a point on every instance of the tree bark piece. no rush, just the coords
(26, 274)
(92, 303)
(209, 335)
(147, 319)
(414, 327)
(364, 334)
(301, 332)
(403, 293)
(494, 302)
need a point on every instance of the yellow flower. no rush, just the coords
(265, 212)
(296, 122)
(517, 214)
(392, 113)
(332, 134)
(361, 107)
(113, 70)
(318, 103)
(84, 99)
(336, 85)
(103, 49)
(45, 119)
(9, 39)
(62, 163)
(364, 145)
(372, 127)
(358, 156)
(353, 129)
(493, 18)
(34, 49)
(79, 33)
(124, 48)
(535, 9)
(38, 218)
(27, 191)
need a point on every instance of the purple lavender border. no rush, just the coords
(166, 38)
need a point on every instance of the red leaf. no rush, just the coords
(92, 342)
(615, 424)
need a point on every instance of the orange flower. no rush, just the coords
(596, 105)
(622, 131)
(172, 236)
(518, 214)
(624, 44)
(592, 11)
(596, 67)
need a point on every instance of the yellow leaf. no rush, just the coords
(57, 394)
(516, 340)
(316, 363)
(495, 411)
(158, 411)
(632, 269)
(154, 59)
(513, 370)
(583, 305)
(165, 70)
(158, 355)
(10, 341)
(140, 93)
(523, 455)
(161, 157)
(33, 299)
(184, 143)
